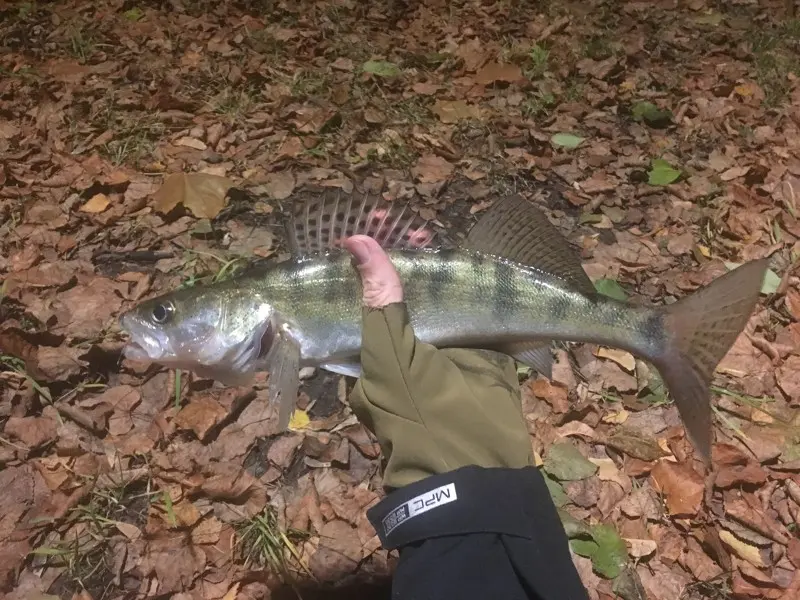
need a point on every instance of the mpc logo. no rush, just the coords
(416, 506)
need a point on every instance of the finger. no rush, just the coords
(380, 281)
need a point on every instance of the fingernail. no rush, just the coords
(359, 250)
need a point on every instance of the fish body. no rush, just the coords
(512, 286)
(455, 298)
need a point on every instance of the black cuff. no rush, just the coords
(471, 499)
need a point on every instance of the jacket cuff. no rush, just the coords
(472, 499)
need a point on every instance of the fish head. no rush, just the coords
(218, 332)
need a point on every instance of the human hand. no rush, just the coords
(432, 410)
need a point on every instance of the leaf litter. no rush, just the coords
(165, 152)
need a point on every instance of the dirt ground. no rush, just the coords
(150, 145)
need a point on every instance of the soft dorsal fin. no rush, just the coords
(319, 223)
(515, 229)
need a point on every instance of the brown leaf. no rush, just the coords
(425, 89)
(792, 301)
(24, 258)
(631, 441)
(202, 194)
(662, 582)
(200, 415)
(59, 364)
(124, 399)
(339, 552)
(452, 111)
(190, 142)
(472, 53)
(280, 185)
(734, 173)
(96, 204)
(431, 168)
(641, 502)
(599, 182)
(640, 548)
(794, 551)
(680, 244)
(31, 431)
(207, 531)
(175, 560)
(726, 455)
(788, 376)
(85, 310)
(282, 450)
(736, 475)
(682, 486)
(604, 374)
(746, 509)
(698, 563)
(555, 395)
(496, 72)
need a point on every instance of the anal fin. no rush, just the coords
(537, 355)
(515, 229)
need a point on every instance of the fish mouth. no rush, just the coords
(135, 351)
(141, 344)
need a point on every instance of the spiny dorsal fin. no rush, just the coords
(321, 222)
(515, 229)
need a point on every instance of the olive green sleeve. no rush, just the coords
(436, 410)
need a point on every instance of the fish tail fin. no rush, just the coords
(700, 329)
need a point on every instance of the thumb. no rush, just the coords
(380, 281)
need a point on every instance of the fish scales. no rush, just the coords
(501, 301)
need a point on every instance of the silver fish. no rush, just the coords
(514, 285)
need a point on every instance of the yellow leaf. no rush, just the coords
(537, 459)
(742, 549)
(96, 204)
(745, 89)
(617, 417)
(232, 593)
(622, 358)
(704, 250)
(299, 420)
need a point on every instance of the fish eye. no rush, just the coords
(162, 312)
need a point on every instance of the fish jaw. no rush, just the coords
(145, 343)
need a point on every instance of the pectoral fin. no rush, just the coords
(283, 364)
(346, 369)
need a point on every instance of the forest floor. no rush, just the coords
(662, 138)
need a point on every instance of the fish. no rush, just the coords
(514, 285)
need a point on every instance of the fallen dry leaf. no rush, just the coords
(200, 415)
(742, 549)
(452, 111)
(681, 485)
(202, 194)
(31, 431)
(493, 72)
(96, 204)
(280, 185)
(432, 169)
(622, 358)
